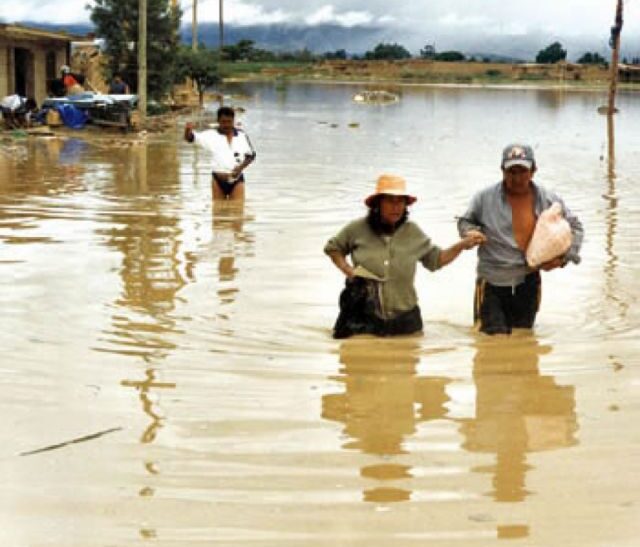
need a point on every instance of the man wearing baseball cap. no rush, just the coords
(507, 292)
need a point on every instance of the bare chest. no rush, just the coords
(523, 219)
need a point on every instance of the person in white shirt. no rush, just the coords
(231, 151)
(17, 111)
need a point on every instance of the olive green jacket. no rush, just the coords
(391, 258)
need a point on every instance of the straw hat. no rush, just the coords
(390, 185)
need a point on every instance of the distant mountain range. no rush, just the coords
(358, 39)
(277, 37)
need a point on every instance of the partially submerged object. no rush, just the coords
(376, 97)
(110, 110)
(551, 237)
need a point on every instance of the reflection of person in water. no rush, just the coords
(517, 411)
(228, 220)
(378, 405)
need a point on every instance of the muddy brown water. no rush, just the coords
(167, 369)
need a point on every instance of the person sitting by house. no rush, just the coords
(72, 82)
(118, 86)
(17, 111)
(56, 88)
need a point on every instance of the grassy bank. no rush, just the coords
(418, 71)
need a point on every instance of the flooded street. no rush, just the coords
(168, 375)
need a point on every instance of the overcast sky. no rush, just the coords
(562, 18)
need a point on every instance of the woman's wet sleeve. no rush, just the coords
(431, 259)
(429, 253)
(341, 242)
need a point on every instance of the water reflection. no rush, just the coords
(149, 241)
(518, 411)
(611, 220)
(382, 403)
(228, 232)
(553, 99)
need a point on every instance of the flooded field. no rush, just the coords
(168, 376)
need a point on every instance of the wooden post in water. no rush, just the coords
(616, 30)
(142, 61)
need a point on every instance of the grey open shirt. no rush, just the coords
(500, 261)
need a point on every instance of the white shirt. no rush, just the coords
(226, 155)
(11, 102)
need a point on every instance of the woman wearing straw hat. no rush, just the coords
(384, 247)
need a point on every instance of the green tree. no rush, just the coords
(117, 22)
(592, 59)
(450, 56)
(338, 54)
(242, 51)
(551, 54)
(428, 52)
(299, 56)
(388, 51)
(201, 66)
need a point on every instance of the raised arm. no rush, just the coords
(189, 135)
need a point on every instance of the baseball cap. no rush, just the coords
(518, 154)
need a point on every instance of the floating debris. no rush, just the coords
(72, 441)
(605, 110)
(376, 97)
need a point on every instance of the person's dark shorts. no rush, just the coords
(498, 310)
(227, 187)
(358, 313)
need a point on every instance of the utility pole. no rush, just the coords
(194, 26)
(221, 27)
(142, 61)
(614, 42)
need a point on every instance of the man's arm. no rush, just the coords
(577, 230)
(239, 168)
(249, 157)
(189, 135)
(470, 221)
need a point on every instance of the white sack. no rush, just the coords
(551, 237)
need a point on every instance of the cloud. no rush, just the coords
(454, 20)
(236, 12)
(327, 15)
(386, 19)
(69, 11)
(459, 20)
